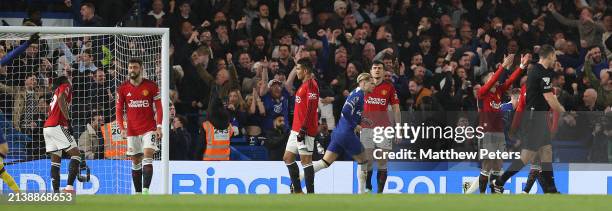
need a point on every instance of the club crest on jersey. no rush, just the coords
(145, 92)
(383, 92)
(278, 108)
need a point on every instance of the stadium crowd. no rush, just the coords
(436, 53)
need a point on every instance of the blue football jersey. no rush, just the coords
(351, 111)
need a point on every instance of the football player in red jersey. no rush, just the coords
(375, 114)
(305, 125)
(58, 138)
(490, 116)
(143, 123)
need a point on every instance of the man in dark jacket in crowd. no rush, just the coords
(277, 139)
(182, 144)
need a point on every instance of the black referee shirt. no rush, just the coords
(539, 81)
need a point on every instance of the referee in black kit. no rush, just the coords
(539, 100)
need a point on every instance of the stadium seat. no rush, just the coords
(569, 152)
(253, 152)
(238, 140)
(237, 155)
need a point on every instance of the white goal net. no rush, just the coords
(96, 63)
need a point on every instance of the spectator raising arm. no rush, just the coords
(484, 67)
(232, 69)
(588, 71)
(263, 89)
(562, 19)
(205, 75)
(17, 51)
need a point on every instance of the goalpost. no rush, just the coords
(95, 59)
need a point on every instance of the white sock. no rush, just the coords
(361, 177)
(317, 166)
(69, 187)
(474, 186)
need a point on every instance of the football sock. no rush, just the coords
(137, 177)
(533, 175)
(320, 164)
(549, 178)
(540, 179)
(382, 179)
(55, 176)
(474, 185)
(361, 176)
(294, 174)
(73, 169)
(369, 180)
(147, 172)
(483, 179)
(309, 177)
(514, 168)
(7, 178)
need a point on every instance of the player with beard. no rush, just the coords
(305, 125)
(144, 128)
(375, 113)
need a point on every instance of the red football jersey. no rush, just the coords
(141, 117)
(56, 117)
(490, 116)
(306, 105)
(376, 105)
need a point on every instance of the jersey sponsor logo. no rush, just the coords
(145, 92)
(138, 104)
(376, 101)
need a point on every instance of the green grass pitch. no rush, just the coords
(385, 202)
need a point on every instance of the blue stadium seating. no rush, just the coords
(252, 152)
(569, 152)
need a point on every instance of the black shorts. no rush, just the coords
(535, 130)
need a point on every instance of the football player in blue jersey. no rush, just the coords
(344, 138)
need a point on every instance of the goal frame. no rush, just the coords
(165, 73)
